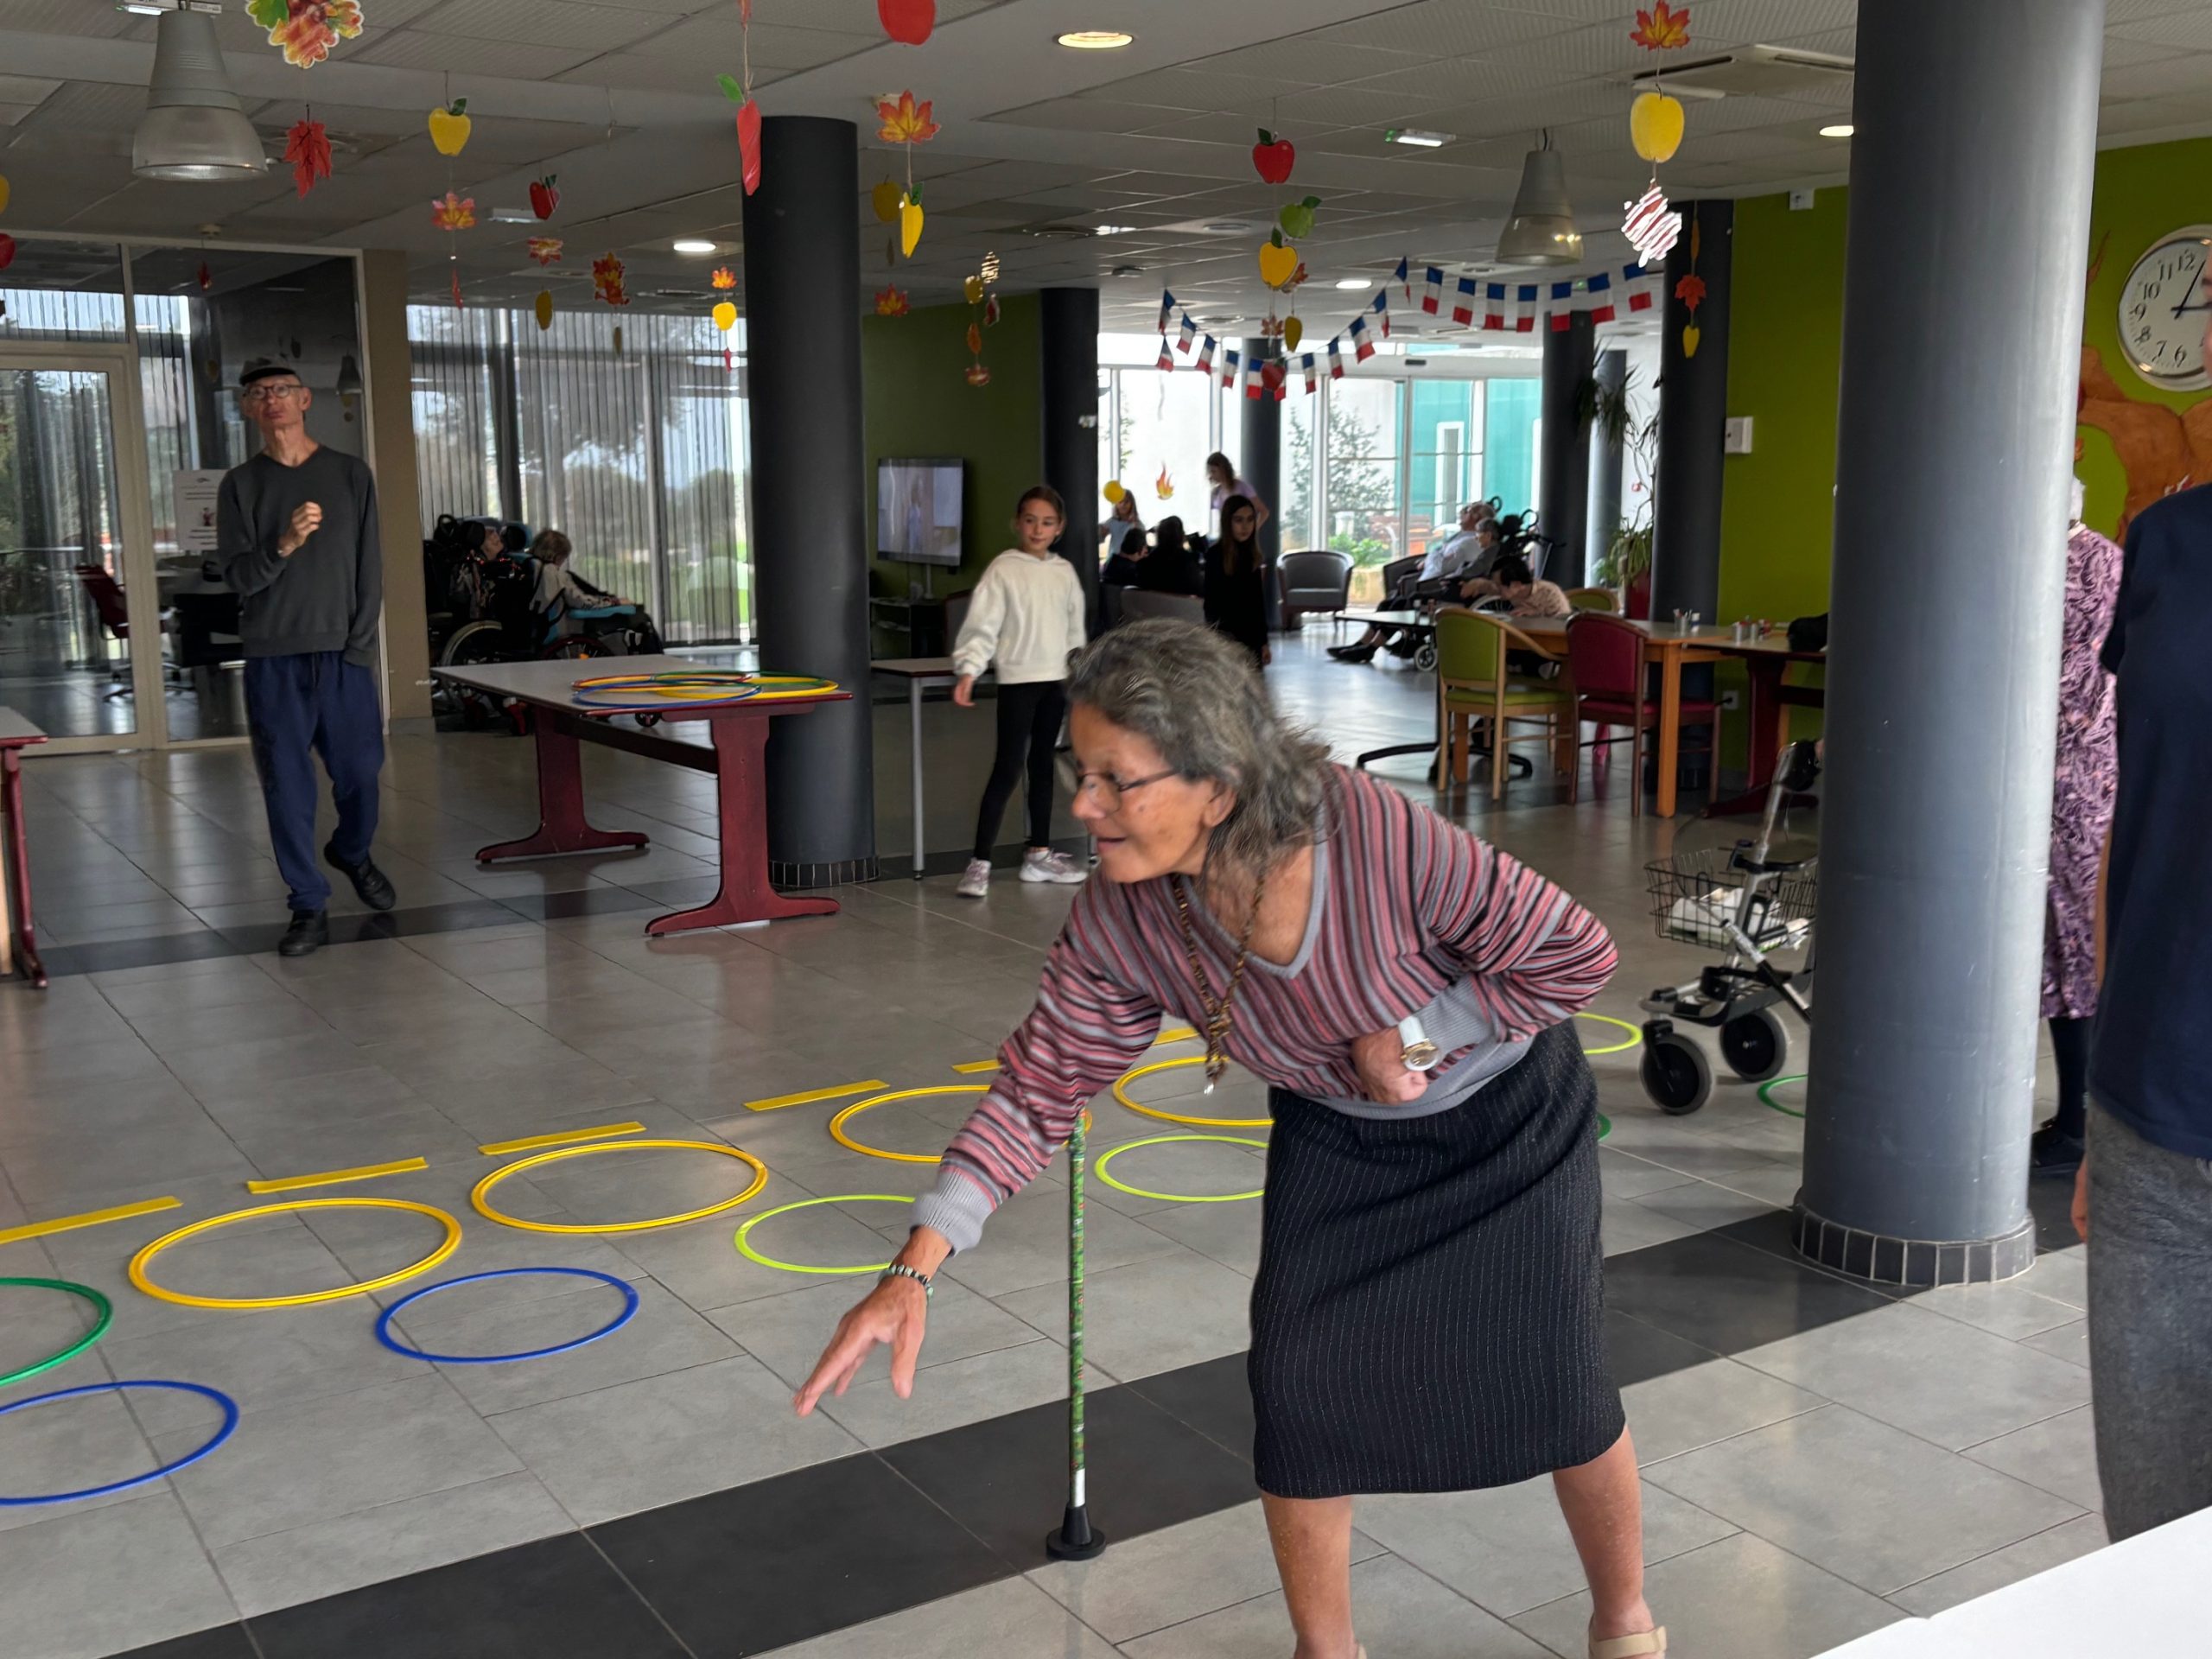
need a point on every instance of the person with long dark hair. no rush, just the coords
(1236, 581)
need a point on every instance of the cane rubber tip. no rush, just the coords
(1076, 1539)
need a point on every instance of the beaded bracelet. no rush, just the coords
(900, 1270)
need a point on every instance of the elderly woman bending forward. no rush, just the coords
(1427, 1312)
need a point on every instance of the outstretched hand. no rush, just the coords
(893, 1313)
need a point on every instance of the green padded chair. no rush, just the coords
(1475, 683)
(1594, 598)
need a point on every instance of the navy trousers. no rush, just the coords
(315, 701)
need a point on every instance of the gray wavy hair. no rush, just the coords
(1194, 695)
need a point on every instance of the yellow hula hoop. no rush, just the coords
(745, 1244)
(1635, 1034)
(837, 1123)
(1100, 1170)
(482, 1201)
(446, 1247)
(1121, 1095)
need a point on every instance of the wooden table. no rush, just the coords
(919, 673)
(739, 733)
(18, 937)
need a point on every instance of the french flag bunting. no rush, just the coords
(1281, 386)
(1313, 378)
(1562, 307)
(1463, 305)
(1335, 359)
(1363, 345)
(1524, 307)
(1204, 364)
(1255, 386)
(1232, 366)
(1639, 287)
(1382, 309)
(1494, 306)
(1166, 356)
(1186, 334)
(1432, 297)
(1166, 309)
(1601, 297)
(1402, 280)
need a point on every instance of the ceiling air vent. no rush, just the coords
(1760, 71)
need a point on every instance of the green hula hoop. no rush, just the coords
(1098, 1168)
(1635, 1034)
(1766, 1095)
(104, 1308)
(1605, 1126)
(745, 1245)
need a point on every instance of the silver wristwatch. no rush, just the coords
(1420, 1053)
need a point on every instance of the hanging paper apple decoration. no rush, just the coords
(4, 193)
(978, 375)
(1278, 263)
(544, 310)
(971, 290)
(1296, 220)
(1274, 157)
(449, 127)
(884, 200)
(6, 249)
(1114, 492)
(907, 22)
(1654, 126)
(725, 316)
(910, 224)
(543, 197)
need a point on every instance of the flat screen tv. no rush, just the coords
(918, 511)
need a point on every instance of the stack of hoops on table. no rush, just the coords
(542, 1150)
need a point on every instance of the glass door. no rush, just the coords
(80, 619)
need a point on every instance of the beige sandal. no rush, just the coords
(1630, 1646)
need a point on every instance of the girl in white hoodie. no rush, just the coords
(1026, 617)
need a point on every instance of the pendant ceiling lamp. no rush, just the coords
(1541, 231)
(194, 128)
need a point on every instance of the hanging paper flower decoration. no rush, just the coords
(723, 277)
(978, 375)
(544, 196)
(307, 29)
(306, 146)
(905, 122)
(1164, 486)
(543, 308)
(725, 316)
(546, 250)
(891, 302)
(1652, 226)
(453, 212)
(450, 127)
(606, 277)
(1662, 28)
(907, 22)
(748, 127)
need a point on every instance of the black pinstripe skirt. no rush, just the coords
(1428, 1314)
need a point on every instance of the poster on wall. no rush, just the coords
(195, 495)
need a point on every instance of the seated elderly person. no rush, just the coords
(1470, 550)
(1522, 591)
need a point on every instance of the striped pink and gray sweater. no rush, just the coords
(1410, 915)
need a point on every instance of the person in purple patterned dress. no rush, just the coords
(2081, 814)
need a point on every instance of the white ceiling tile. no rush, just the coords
(1715, 23)
(1443, 29)
(541, 22)
(408, 48)
(714, 40)
(1088, 115)
(2190, 76)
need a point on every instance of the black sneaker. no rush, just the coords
(1352, 653)
(2053, 1153)
(309, 933)
(371, 884)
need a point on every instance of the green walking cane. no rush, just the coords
(1077, 1539)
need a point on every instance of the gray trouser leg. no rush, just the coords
(2150, 1326)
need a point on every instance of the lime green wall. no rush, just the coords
(916, 401)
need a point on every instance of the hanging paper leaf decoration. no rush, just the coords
(453, 212)
(884, 200)
(207, 277)
(1662, 28)
(543, 196)
(723, 277)
(456, 288)
(991, 311)
(606, 277)
(544, 310)
(1293, 332)
(905, 122)
(306, 146)
(907, 22)
(1164, 486)
(6, 249)
(891, 302)
(307, 29)
(725, 316)
(975, 339)
(450, 127)
(910, 225)
(4, 193)
(1654, 126)
(546, 250)
(1274, 157)
(618, 335)
(1690, 290)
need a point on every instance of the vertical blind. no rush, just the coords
(638, 453)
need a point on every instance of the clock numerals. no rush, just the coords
(2161, 311)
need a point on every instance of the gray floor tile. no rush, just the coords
(1865, 1501)
(2068, 1341)
(959, 1391)
(63, 1596)
(1700, 1206)
(1149, 1316)
(2010, 1310)
(1507, 1548)
(1627, 1176)
(1930, 1375)
(2062, 1275)
(292, 1465)
(1025, 1244)
(788, 1332)
(1688, 1408)
(1227, 1233)
(1010, 1620)
(1399, 1611)
(2058, 1454)
(68, 1446)
(1739, 1598)
(1630, 1224)
(700, 1262)
(324, 1557)
(2060, 1545)
(663, 1439)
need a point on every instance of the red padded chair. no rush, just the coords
(106, 594)
(1604, 660)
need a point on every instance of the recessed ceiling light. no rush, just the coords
(1095, 40)
(1352, 282)
(1416, 137)
(691, 245)
(1111, 230)
(1840, 130)
(513, 216)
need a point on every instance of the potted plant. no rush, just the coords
(1626, 564)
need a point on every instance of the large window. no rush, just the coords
(638, 451)
(1365, 513)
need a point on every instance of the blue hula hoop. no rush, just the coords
(629, 1311)
(230, 1408)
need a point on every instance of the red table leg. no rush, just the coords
(1766, 740)
(19, 866)
(741, 742)
(561, 826)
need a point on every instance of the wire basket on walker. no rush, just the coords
(1743, 901)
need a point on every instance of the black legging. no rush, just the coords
(1029, 723)
(2069, 1047)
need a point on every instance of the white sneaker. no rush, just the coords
(1038, 865)
(976, 880)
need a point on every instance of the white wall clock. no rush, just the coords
(2162, 311)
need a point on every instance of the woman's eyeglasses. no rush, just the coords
(1110, 789)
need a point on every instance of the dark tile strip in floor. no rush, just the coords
(798, 1555)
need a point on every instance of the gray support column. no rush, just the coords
(1606, 458)
(1693, 410)
(1563, 504)
(1259, 459)
(810, 556)
(1969, 229)
(1071, 415)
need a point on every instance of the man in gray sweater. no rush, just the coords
(296, 532)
